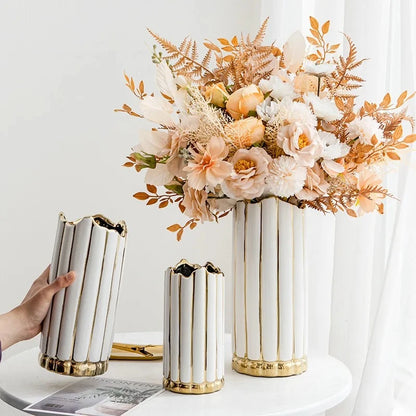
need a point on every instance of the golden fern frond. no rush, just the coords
(342, 78)
(258, 40)
(183, 59)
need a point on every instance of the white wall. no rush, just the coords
(62, 146)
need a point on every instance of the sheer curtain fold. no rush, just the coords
(363, 304)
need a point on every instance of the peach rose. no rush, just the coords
(315, 184)
(216, 94)
(244, 100)
(196, 204)
(246, 132)
(247, 181)
(302, 142)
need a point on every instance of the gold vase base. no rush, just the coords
(72, 368)
(260, 368)
(192, 388)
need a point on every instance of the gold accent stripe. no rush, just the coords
(192, 388)
(98, 297)
(260, 368)
(74, 333)
(245, 275)
(72, 368)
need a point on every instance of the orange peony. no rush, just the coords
(244, 100)
(246, 132)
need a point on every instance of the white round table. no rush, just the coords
(325, 384)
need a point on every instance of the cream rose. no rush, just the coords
(247, 181)
(244, 100)
(246, 132)
(216, 94)
(302, 142)
(304, 83)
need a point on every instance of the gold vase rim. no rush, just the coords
(187, 269)
(101, 221)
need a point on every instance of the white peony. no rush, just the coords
(363, 129)
(333, 149)
(286, 177)
(294, 112)
(268, 109)
(323, 108)
(277, 88)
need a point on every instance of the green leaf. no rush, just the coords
(175, 188)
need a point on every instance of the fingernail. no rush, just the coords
(69, 277)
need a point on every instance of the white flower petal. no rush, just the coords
(158, 176)
(157, 110)
(294, 51)
(154, 142)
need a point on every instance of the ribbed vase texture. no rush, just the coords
(78, 331)
(193, 349)
(269, 289)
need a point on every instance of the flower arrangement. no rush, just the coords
(263, 121)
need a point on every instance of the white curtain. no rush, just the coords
(363, 271)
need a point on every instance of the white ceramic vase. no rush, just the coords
(77, 333)
(193, 344)
(269, 289)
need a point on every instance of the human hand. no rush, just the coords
(25, 321)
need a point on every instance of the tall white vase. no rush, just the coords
(77, 333)
(193, 344)
(270, 289)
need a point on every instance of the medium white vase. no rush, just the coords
(193, 344)
(78, 330)
(269, 289)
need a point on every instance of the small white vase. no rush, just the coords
(78, 330)
(193, 344)
(270, 289)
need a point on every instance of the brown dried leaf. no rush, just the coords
(193, 225)
(374, 140)
(141, 87)
(393, 156)
(164, 204)
(351, 212)
(401, 99)
(401, 146)
(182, 208)
(151, 188)
(141, 195)
(152, 201)
(179, 234)
(208, 44)
(223, 41)
(314, 23)
(325, 27)
(398, 132)
(174, 227)
(228, 48)
(312, 41)
(386, 101)
(128, 164)
(234, 41)
(410, 138)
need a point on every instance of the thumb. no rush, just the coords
(60, 283)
